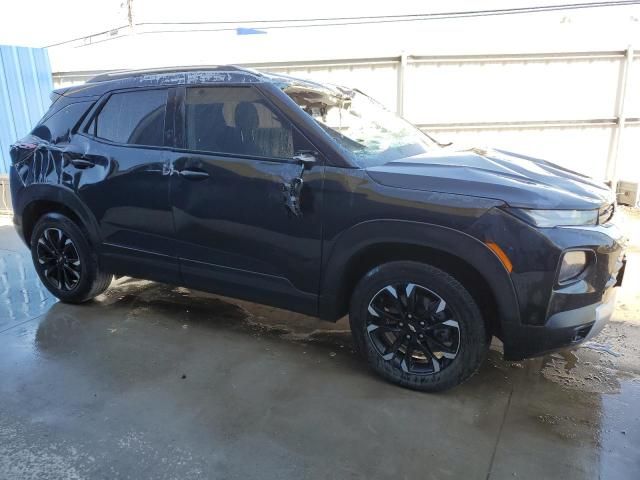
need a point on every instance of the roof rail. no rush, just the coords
(124, 74)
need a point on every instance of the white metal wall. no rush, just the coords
(564, 107)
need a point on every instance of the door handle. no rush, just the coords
(193, 174)
(81, 163)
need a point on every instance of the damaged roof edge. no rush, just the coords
(191, 76)
(171, 71)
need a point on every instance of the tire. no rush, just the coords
(65, 261)
(445, 336)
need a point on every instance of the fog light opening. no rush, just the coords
(573, 265)
(581, 333)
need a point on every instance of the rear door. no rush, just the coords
(125, 181)
(235, 233)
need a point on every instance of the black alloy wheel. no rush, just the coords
(410, 325)
(418, 326)
(65, 260)
(59, 259)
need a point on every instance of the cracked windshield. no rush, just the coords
(362, 126)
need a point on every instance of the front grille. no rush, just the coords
(606, 214)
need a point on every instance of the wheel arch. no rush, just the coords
(37, 200)
(366, 245)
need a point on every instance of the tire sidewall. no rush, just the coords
(474, 340)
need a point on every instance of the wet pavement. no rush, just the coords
(155, 381)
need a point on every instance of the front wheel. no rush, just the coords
(417, 326)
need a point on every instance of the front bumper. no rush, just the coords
(564, 329)
(578, 312)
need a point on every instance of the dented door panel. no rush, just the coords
(235, 233)
(246, 225)
(126, 189)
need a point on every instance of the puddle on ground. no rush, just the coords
(566, 370)
(22, 295)
(581, 370)
(198, 308)
(591, 371)
(578, 401)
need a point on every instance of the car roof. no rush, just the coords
(223, 74)
(177, 74)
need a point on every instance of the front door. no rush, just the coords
(236, 233)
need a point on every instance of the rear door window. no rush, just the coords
(237, 120)
(134, 118)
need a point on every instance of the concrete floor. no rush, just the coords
(152, 381)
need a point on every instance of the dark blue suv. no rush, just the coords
(316, 199)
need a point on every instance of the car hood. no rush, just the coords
(518, 180)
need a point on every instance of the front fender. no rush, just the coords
(378, 232)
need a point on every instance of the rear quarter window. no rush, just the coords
(57, 127)
(133, 118)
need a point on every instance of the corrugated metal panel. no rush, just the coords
(25, 84)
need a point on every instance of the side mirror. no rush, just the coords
(293, 188)
(305, 158)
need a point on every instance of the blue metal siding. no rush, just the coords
(25, 85)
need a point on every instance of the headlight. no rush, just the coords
(573, 264)
(556, 218)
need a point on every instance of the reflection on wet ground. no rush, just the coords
(22, 296)
(158, 381)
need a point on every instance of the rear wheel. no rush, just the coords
(65, 261)
(417, 326)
